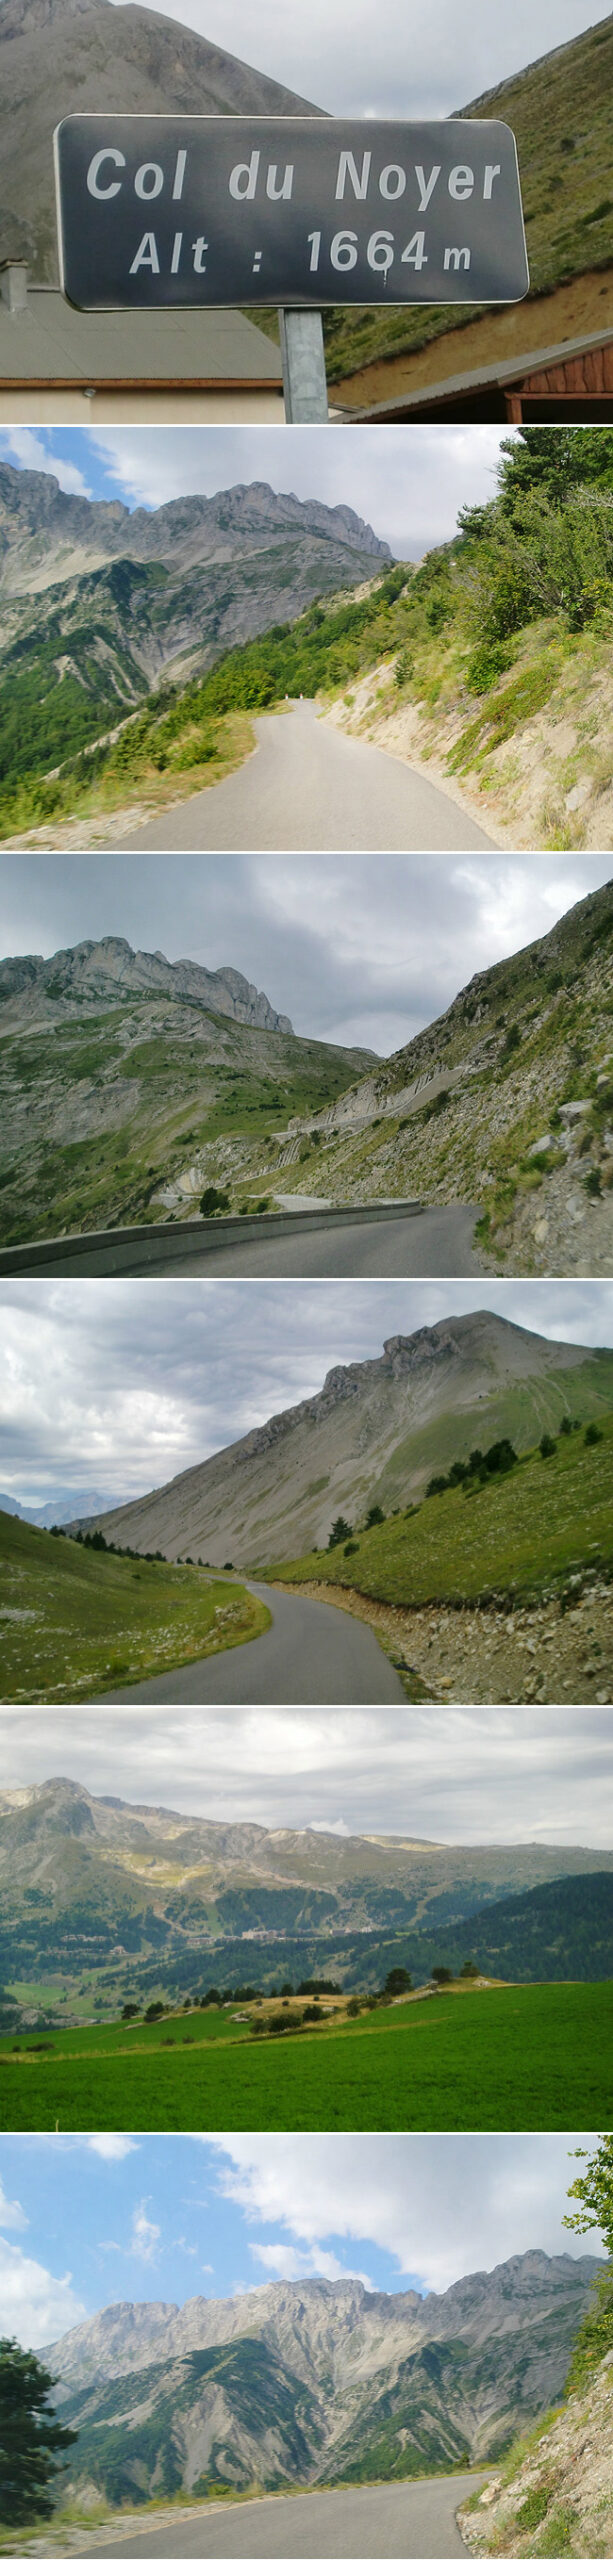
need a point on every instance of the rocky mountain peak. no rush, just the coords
(108, 971)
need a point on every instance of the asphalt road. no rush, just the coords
(310, 789)
(407, 2520)
(313, 1655)
(436, 1245)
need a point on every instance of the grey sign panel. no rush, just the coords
(296, 211)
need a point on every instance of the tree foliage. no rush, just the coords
(31, 2436)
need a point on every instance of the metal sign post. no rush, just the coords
(297, 212)
(303, 357)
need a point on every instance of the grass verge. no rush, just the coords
(74, 1622)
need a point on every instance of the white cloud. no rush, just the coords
(22, 445)
(36, 2306)
(12, 2216)
(145, 2235)
(441, 2206)
(111, 2146)
(288, 2264)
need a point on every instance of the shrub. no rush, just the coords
(547, 1445)
(213, 1202)
(591, 1435)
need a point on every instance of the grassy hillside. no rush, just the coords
(517, 1532)
(102, 1112)
(559, 111)
(475, 1107)
(76, 1621)
(524, 2059)
(559, 1932)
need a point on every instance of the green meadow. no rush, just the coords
(535, 2058)
(74, 1620)
(521, 1532)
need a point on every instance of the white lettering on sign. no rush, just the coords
(380, 252)
(344, 250)
(392, 181)
(285, 190)
(199, 248)
(146, 255)
(347, 168)
(114, 189)
(456, 258)
(427, 185)
(176, 253)
(177, 184)
(415, 255)
(461, 184)
(149, 180)
(493, 171)
(244, 178)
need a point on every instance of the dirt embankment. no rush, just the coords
(493, 1657)
(560, 2498)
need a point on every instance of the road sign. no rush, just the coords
(299, 212)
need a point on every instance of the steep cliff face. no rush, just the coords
(372, 1432)
(317, 2381)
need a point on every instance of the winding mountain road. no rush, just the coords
(401, 2520)
(310, 789)
(436, 1245)
(312, 1655)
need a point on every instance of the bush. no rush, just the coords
(591, 1435)
(213, 1202)
(547, 1445)
(488, 662)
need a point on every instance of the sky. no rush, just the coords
(358, 949)
(396, 60)
(120, 1384)
(408, 487)
(100, 2218)
(498, 1775)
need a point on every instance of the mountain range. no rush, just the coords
(117, 1065)
(374, 1433)
(87, 1881)
(61, 1508)
(63, 56)
(316, 2381)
